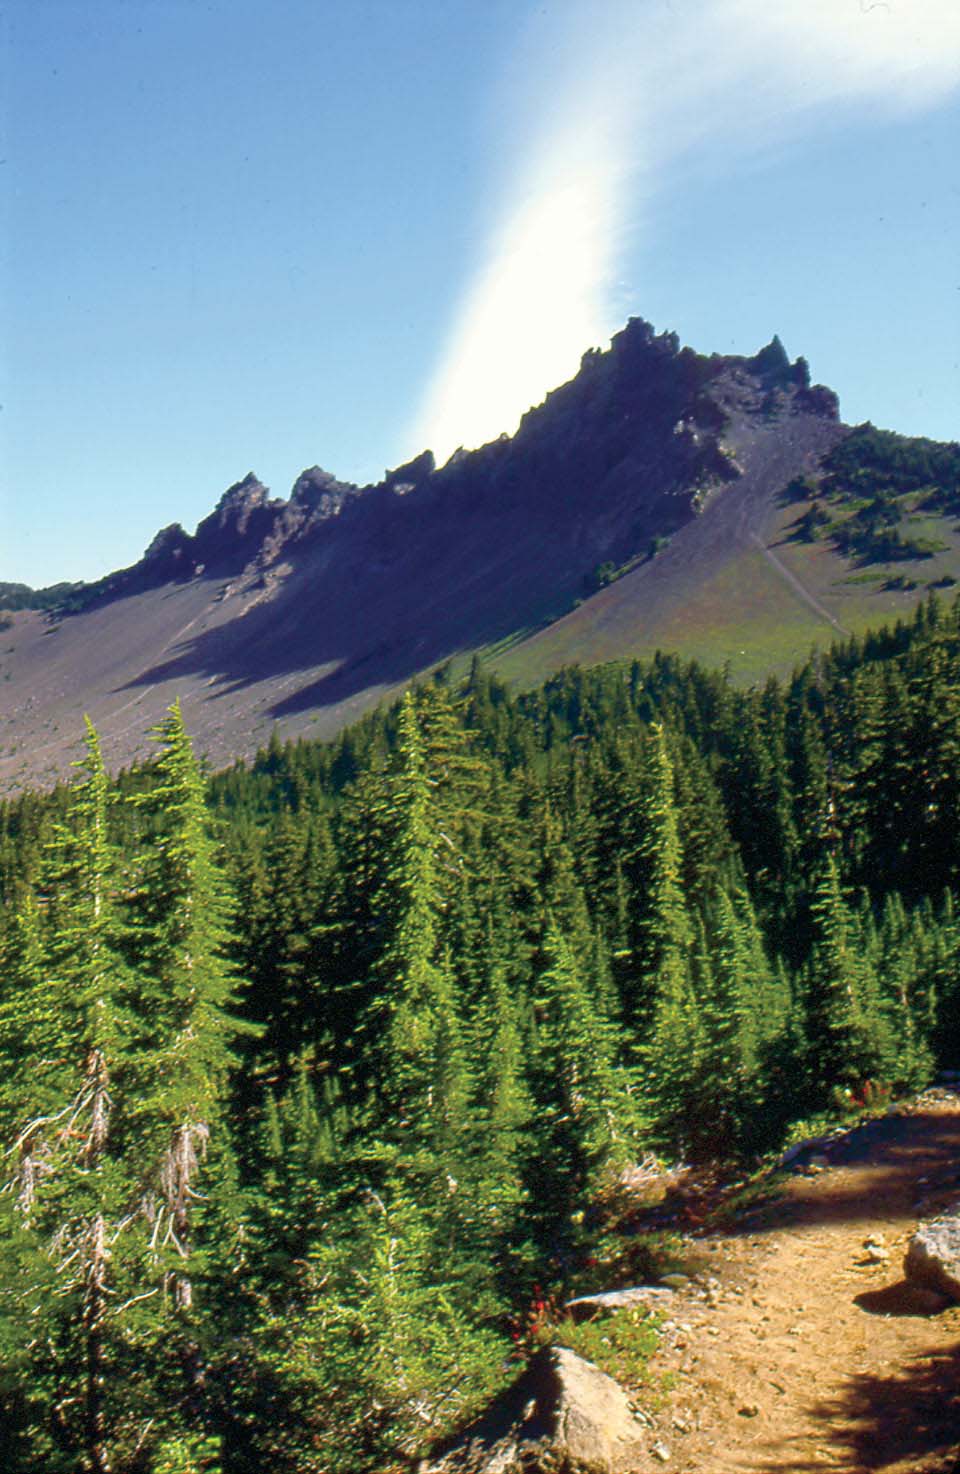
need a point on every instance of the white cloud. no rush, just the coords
(612, 95)
(894, 51)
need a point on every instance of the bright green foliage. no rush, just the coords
(371, 1357)
(71, 1237)
(664, 924)
(118, 1062)
(431, 1114)
(587, 1095)
(666, 1011)
(487, 948)
(502, 1100)
(420, 1080)
(847, 1034)
(902, 969)
(622, 1345)
(182, 1034)
(727, 1074)
(744, 1013)
(180, 936)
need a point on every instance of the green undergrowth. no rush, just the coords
(615, 1259)
(765, 1184)
(622, 1345)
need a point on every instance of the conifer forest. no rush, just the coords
(317, 1072)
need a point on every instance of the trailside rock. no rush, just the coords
(933, 1255)
(562, 1416)
(643, 1297)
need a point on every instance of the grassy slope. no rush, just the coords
(722, 596)
(715, 594)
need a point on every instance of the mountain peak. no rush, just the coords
(412, 473)
(626, 451)
(236, 526)
(317, 490)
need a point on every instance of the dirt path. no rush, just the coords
(787, 1353)
(796, 585)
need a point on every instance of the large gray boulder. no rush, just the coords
(562, 1416)
(933, 1255)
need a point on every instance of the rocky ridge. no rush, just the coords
(307, 611)
(640, 423)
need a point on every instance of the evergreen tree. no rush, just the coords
(415, 1031)
(662, 1003)
(184, 1030)
(901, 968)
(502, 1100)
(371, 1356)
(72, 1246)
(585, 1093)
(728, 1087)
(847, 1035)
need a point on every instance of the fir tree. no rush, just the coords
(663, 1005)
(846, 1031)
(184, 1030)
(71, 1243)
(582, 1086)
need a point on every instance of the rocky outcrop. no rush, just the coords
(169, 555)
(235, 530)
(933, 1255)
(412, 473)
(308, 609)
(817, 400)
(608, 1302)
(628, 450)
(563, 1416)
(248, 530)
(319, 493)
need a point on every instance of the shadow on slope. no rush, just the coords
(377, 601)
(400, 584)
(504, 537)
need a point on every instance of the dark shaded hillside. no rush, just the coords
(627, 451)
(642, 505)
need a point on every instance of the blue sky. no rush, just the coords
(246, 236)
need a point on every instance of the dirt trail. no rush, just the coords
(797, 1356)
(796, 585)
